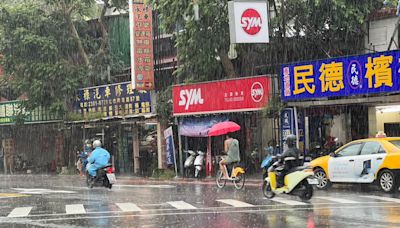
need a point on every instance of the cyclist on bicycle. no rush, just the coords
(231, 148)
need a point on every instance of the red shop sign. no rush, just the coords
(242, 94)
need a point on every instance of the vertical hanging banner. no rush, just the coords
(141, 27)
(170, 148)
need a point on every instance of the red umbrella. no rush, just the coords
(223, 128)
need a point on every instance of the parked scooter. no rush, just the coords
(199, 163)
(105, 177)
(298, 182)
(189, 162)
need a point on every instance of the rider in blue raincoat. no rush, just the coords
(98, 159)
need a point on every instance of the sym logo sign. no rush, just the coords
(251, 21)
(257, 92)
(248, 21)
(190, 97)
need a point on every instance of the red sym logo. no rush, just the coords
(257, 92)
(251, 21)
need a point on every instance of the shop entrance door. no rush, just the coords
(392, 129)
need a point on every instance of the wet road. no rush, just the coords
(51, 201)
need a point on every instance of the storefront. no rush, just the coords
(123, 119)
(347, 98)
(31, 141)
(198, 106)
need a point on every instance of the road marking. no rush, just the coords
(235, 203)
(41, 191)
(145, 186)
(128, 207)
(75, 209)
(288, 202)
(337, 200)
(383, 198)
(12, 195)
(212, 212)
(20, 212)
(181, 205)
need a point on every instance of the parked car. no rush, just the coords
(361, 161)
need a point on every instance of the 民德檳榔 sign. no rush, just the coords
(113, 100)
(235, 95)
(344, 76)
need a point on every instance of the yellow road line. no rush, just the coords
(12, 195)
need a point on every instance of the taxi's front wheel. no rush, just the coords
(387, 181)
(323, 181)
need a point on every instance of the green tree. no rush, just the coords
(299, 30)
(49, 48)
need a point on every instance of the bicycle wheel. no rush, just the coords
(219, 179)
(240, 180)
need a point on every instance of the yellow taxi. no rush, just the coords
(361, 161)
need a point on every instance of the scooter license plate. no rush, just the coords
(111, 178)
(312, 181)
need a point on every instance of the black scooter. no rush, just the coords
(105, 177)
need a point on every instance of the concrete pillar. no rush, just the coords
(372, 120)
(136, 147)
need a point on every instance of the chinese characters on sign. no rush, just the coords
(143, 46)
(364, 74)
(11, 109)
(113, 100)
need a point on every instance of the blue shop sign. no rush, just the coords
(113, 100)
(344, 76)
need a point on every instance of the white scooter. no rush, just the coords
(188, 165)
(198, 163)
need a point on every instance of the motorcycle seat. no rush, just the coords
(298, 168)
(106, 166)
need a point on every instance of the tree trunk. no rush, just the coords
(74, 33)
(227, 64)
(103, 28)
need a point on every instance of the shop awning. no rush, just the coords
(198, 127)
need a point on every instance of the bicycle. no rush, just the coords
(237, 176)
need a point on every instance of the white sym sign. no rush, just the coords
(248, 22)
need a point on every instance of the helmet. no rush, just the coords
(96, 143)
(291, 140)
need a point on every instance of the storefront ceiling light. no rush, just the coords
(392, 108)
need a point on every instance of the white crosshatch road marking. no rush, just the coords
(41, 191)
(337, 200)
(20, 212)
(75, 209)
(181, 205)
(235, 203)
(128, 207)
(288, 202)
(388, 199)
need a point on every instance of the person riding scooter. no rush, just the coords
(97, 159)
(289, 159)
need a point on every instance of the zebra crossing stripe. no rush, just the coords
(235, 203)
(288, 202)
(337, 200)
(75, 209)
(395, 200)
(20, 212)
(181, 205)
(128, 207)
